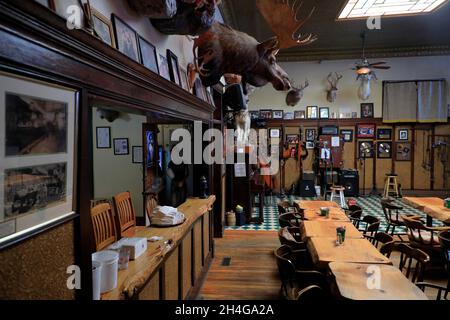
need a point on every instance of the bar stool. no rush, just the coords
(334, 193)
(391, 185)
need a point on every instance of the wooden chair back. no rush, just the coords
(390, 210)
(419, 232)
(125, 215)
(103, 225)
(412, 261)
(380, 237)
(444, 239)
(151, 202)
(286, 266)
(372, 224)
(296, 242)
(289, 220)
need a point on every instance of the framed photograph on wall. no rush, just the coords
(384, 134)
(292, 139)
(289, 115)
(366, 149)
(199, 89)
(310, 134)
(301, 114)
(384, 150)
(366, 110)
(403, 134)
(138, 154)
(184, 79)
(324, 113)
(102, 27)
(126, 39)
(60, 7)
(265, 114)
(103, 137)
(254, 115)
(174, 68)
(310, 145)
(366, 131)
(149, 57)
(163, 67)
(274, 133)
(37, 152)
(311, 112)
(403, 151)
(121, 147)
(277, 114)
(347, 135)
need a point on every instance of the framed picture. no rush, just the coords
(292, 138)
(366, 131)
(126, 39)
(199, 89)
(347, 135)
(138, 154)
(47, 3)
(103, 137)
(310, 145)
(366, 110)
(403, 134)
(288, 115)
(354, 115)
(102, 27)
(149, 58)
(311, 112)
(324, 113)
(384, 134)
(37, 144)
(384, 150)
(301, 114)
(310, 134)
(184, 80)
(163, 67)
(174, 68)
(254, 115)
(121, 147)
(277, 114)
(403, 151)
(366, 149)
(265, 114)
(274, 133)
(60, 7)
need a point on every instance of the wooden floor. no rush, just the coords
(252, 273)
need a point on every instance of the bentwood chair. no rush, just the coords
(368, 225)
(291, 236)
(289, 220)
(151, 202)
(103, 225)
(285, 207)
(125, 215)
(392, 215)
(412, 261)
(379, 238)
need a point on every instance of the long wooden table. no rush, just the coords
(316, 205)
(433, 207)
(327, 228)
(336, 214)
(352, 281)
(134, 279)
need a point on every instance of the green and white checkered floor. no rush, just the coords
(371, 206)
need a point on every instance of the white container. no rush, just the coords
(109, 261)
(318, 191)
(137, 246)
(96, 279)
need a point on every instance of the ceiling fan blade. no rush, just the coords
(381, 67)
(377, 63)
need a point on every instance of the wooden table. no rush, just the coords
(327, 229)
(433, 207)
(324, 250)
(336, 214)
(316, 205)
(352, 279)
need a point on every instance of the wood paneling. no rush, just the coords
(186, 258)
(152, 290)
(171, 275)
(198, 244)
(206, 237)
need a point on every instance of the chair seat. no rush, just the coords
(391, 175)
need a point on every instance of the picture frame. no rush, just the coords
(354, 115)
(367, 110)
(301, 114)
(199, 89)
(126, 39)
(138, 154)
(121, 147)
(311, 112)
(163, 67)
(403, 151)
(292, 138)
(310, 145)
(102, 27)
(324, 113)
(366, 131)
(277, 114)
(37, 156)
(254, 115)
(184, 80)
(384, 150)
(174, 68)
(60, 7)
(149, 56)
(384, 134)
(366, 149)
(274, 133)
(347, 135)
(265, 114)
(403, 134)
(289, 115)
(103, 137)
(47, 3)
(310, 134)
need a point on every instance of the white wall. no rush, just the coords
(415, 68)
(115, 174)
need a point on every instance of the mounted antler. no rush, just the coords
(282, 16)
(331, 93)
(296, 94)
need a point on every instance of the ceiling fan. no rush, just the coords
(364, 67)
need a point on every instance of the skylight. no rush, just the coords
(370, 8)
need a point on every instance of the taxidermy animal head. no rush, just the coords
(332, 92)
(223, 50)
(109, 115)
(296, 94)
(364, 90)
(242, 121)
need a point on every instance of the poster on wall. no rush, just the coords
(36, 155)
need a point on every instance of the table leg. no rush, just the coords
(429, 221)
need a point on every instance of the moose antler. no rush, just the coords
(334, 80)
(282, 16)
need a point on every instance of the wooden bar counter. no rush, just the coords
(170, 272)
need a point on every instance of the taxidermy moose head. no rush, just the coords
(296, 94)
(364, 90)
(222, 50)
(332, 92)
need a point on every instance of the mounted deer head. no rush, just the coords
(296, 94)
(364, 90)
(332, 92)
(282, 16)
(222, 50)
